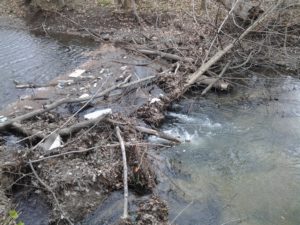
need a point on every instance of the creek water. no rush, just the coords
(29, 58)
(241, 164)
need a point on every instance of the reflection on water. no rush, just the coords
(28, 58)
(242, 164)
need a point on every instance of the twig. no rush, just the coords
(52, 192)
(218, 78)
(165, 55)
(86, 29)
(182, 211)
(62, 154)
(158, 134)
(125, 178)
(177, 67)
(53, 84)
(78, 126)
(232, 221)
(134, 64)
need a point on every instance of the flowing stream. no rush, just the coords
(241, 164)
(28, 58)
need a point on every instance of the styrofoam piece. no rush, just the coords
(2, 119)
(84, 95)
(123, 68)
(97, 113)
(153, 100)
(76, 73)
(57, 143)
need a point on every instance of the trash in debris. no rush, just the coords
(52, 142)
(62, 83)
(3, 119)
(84, 95)
(153, 100)
(123, 68)
(77, 73)
(97, 113)
(28, 107)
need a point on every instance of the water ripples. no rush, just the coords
(29, 58)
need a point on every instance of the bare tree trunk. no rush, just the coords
(245, 9)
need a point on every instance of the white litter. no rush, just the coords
(77, 73)
(28, 107)
(84, 95)
(153, 100)
(97, 113)
(123, 68)
(57, 143)
(3, 119)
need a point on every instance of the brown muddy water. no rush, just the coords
(29, 58)
(240, 163)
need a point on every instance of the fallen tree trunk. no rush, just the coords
(245, 9)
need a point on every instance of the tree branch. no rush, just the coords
(125, 176)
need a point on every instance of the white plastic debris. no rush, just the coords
(97, 113)
(153, 100)
(51, 142)
(123, 68)
(57, 143)
(28, 107)
(3, 119)
(62, 83)
(84, 95)
(102, 71)
(77, 73)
